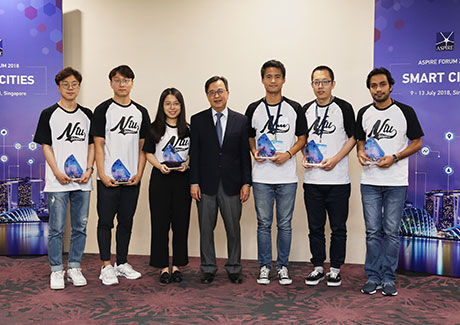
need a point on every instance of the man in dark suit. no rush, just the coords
(220, 176)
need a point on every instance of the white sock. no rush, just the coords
(319, 269)
(335, 270)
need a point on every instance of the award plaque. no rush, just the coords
(171, 158)
(313, 155)
(72, 168)
(119, 173)
(265, 147)
(373, 150)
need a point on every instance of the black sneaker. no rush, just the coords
(314, 278)
(370, 288)
(334, 279)
(389, 289)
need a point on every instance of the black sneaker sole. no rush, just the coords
(334, 284)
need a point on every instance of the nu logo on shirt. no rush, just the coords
(329, 127)
(178, 144)
(382, 130)
(126, 126)
(282, 127)
(73, 133)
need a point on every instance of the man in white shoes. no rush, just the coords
(63, 132)
(279, 123)
(119, 129)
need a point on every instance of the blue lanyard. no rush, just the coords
(323, 123)
(273, 125)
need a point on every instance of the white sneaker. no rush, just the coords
(264, 275)
(108, 275)
(75, 276)
(57, 280)
(283, 276)
(127, 271)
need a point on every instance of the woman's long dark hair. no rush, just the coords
(158, 127)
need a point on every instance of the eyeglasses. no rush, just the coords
(66, 85)
(219, 92)
(122, 81)
(323, 83)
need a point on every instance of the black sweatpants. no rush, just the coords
(120, 201)
(170, 200)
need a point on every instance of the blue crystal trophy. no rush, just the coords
(72, 168)
(119, 172)
(265, 147)
(171, 158)
(313, 156)
(373, 150)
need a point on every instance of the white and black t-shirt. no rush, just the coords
(68, 135)
(291, 123)
(331, 132)
(391, 128)
(181, 146)
(122, 126)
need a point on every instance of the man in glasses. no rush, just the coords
(383, 131)
(119, 129)
(331, 126)
(220, 178)
(277, 133)
(63, 132)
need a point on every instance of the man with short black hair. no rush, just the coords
(119, 129)
(326, 185)
(63, 132)
(279, 121)
(383, 131)
(220, 167)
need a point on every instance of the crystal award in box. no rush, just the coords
(265, 147)
(373, 150)
(119, 172)
(171, 158)
(313, 156)
(72, 168)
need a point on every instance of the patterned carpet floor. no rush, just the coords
(25, 297)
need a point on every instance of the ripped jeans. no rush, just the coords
(57, 206)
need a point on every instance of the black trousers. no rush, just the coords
(170, 201)
(120, 201)
(332, 199)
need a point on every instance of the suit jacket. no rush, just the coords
(211, 164)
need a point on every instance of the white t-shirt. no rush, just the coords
(391, 128)
(122, 127)
(331, 132)
(68, 135)
(291, 123)
(181, 146)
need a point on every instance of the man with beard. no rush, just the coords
(383, 131)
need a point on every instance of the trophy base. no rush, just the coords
(313, 165)
(122, 182)
(371, 163)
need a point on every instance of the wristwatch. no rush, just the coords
(395, 158)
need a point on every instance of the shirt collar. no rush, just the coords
(224, 112)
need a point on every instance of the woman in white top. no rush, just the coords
(167, 147)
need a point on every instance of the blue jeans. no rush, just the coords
(57, 206)
(383, 209)
(264, 196)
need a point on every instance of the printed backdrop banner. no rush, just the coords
(415, 40)
(30, 57)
